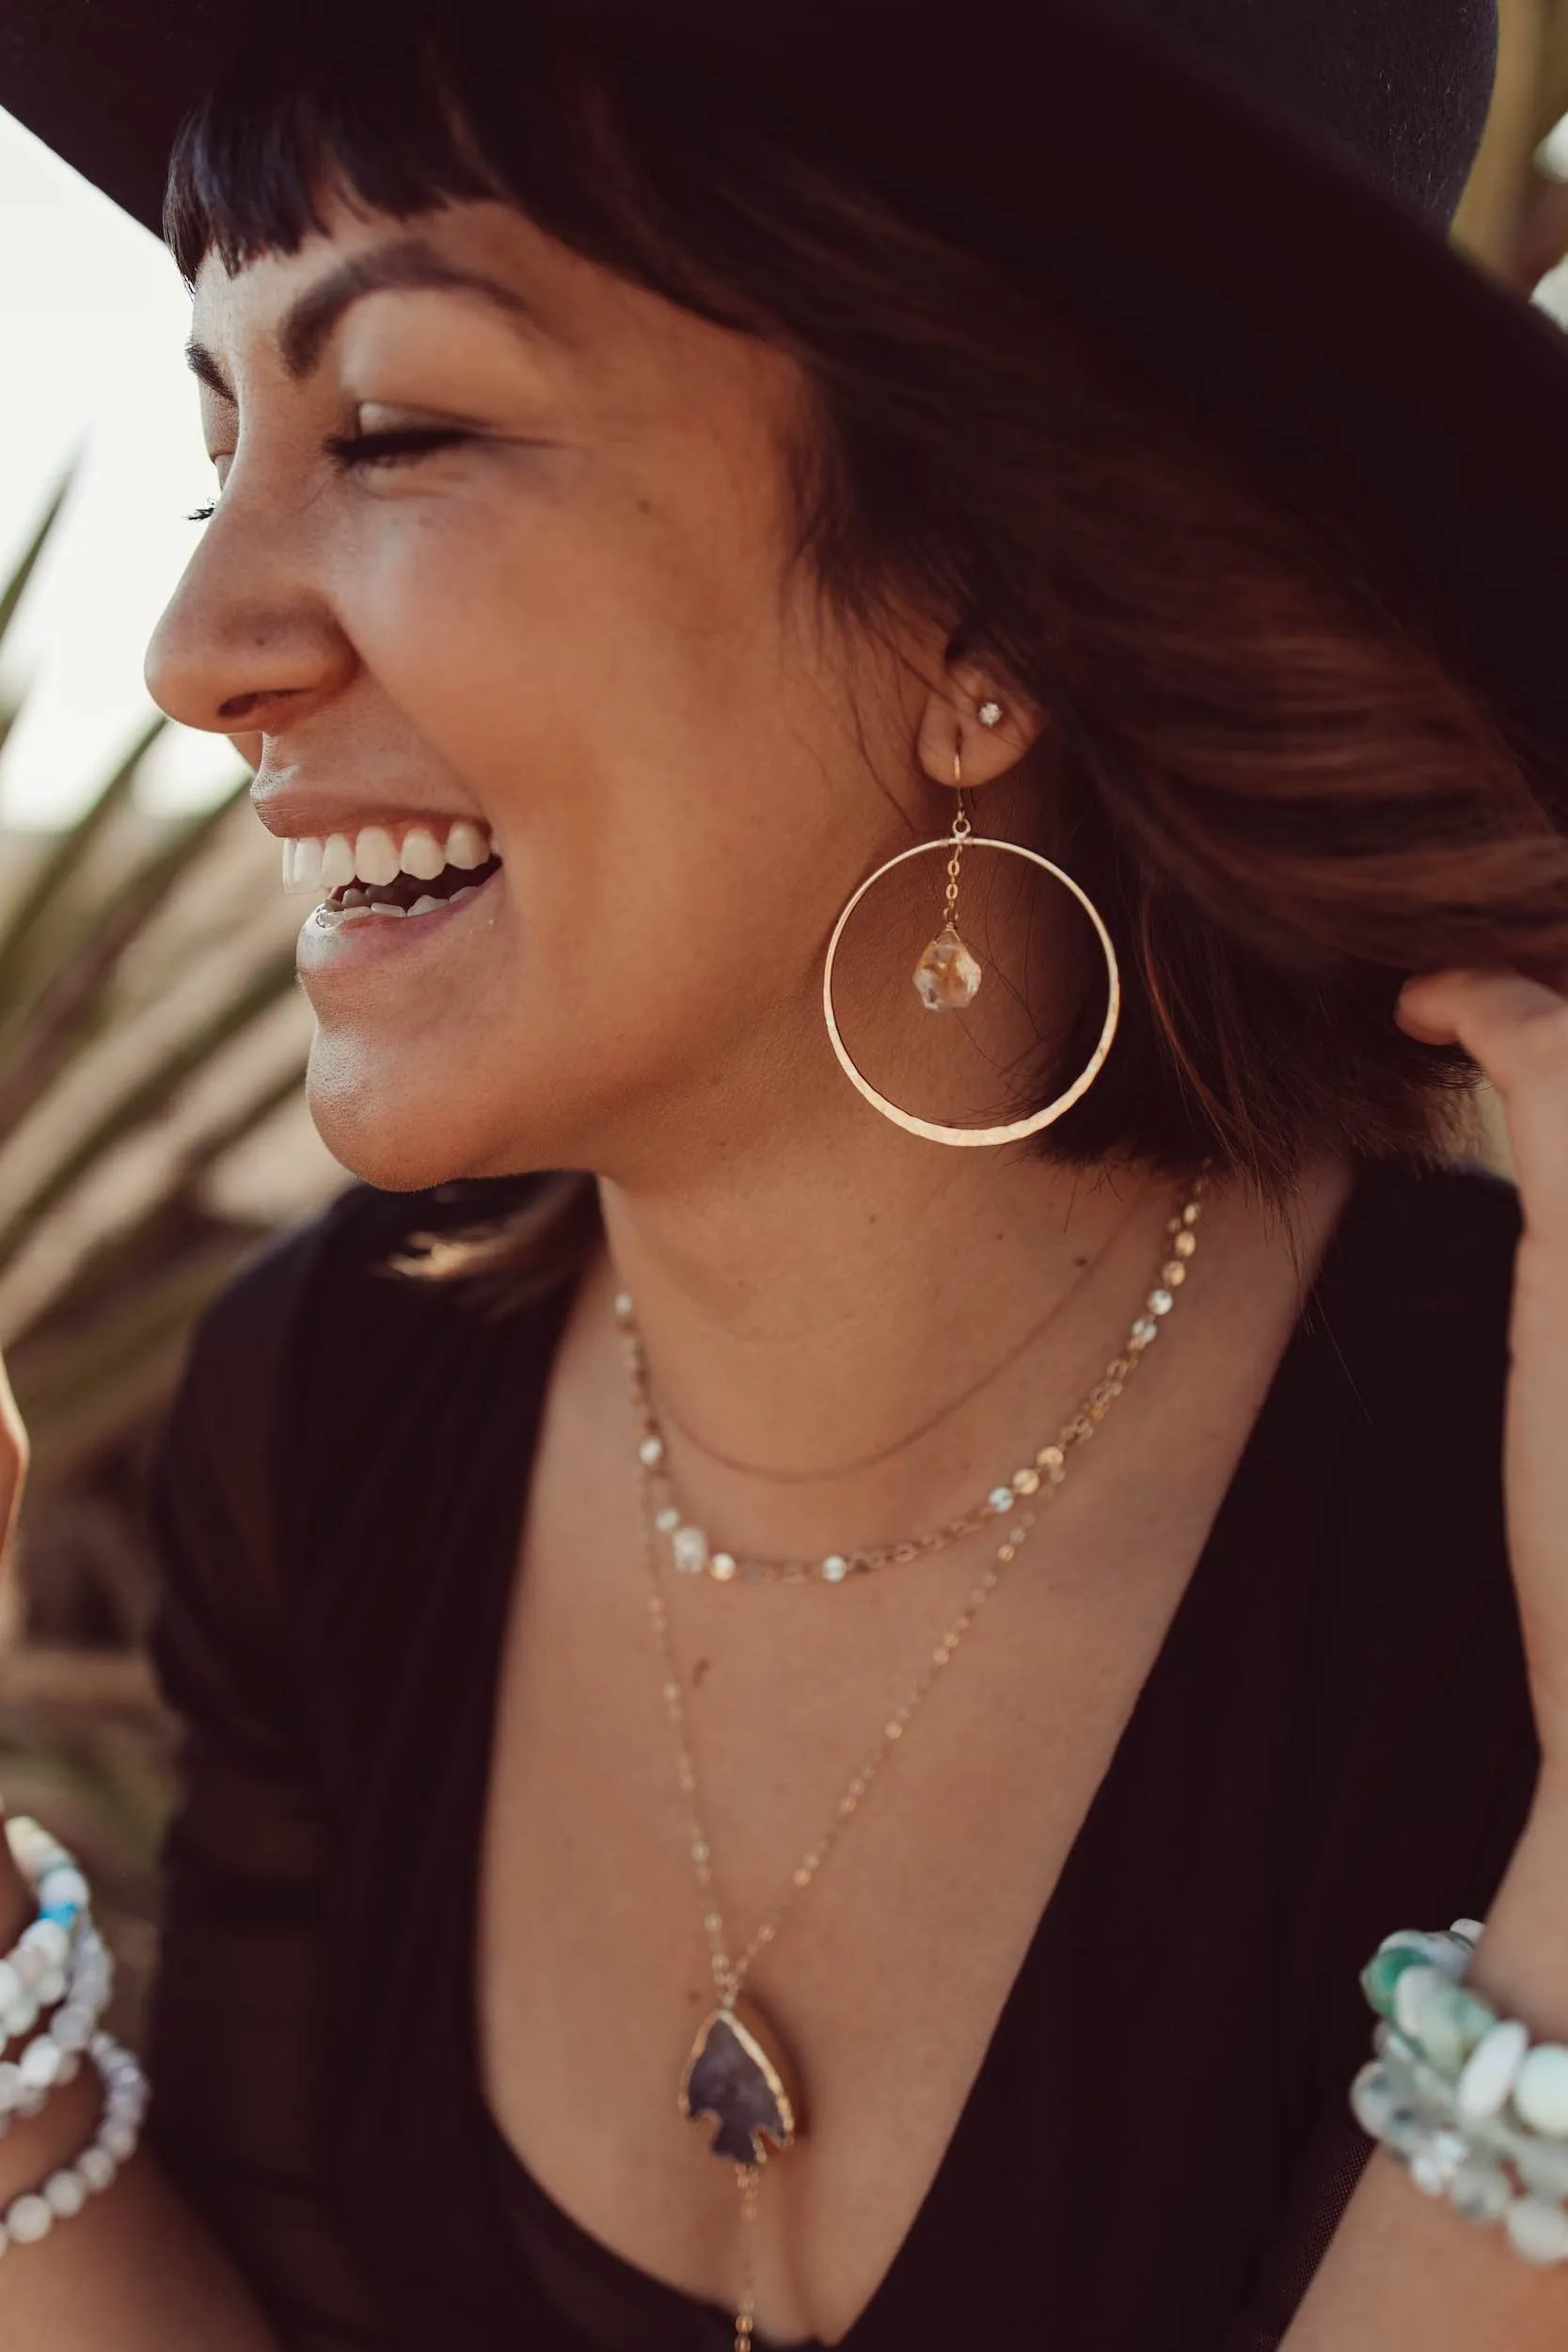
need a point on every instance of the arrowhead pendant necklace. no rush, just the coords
(738, 2073)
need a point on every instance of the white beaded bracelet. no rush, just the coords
(59, 1957)
(1460, 2097)
(32, 2216)
(53, 2056)
(33, 1974)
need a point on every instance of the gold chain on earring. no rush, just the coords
(947, 977)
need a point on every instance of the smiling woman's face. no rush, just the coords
(506, 575)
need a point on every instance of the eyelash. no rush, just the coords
(407, 442)
(351, 449)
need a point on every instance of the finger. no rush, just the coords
(1514, 1026)
(1516, 1029)
(1473, 1009)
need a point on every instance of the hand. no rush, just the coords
(1517, 1030)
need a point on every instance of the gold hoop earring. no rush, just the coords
(948, 978)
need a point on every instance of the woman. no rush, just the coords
(670, 468)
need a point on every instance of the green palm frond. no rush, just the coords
(23, 937)
(149, 1096)
(107, 916)
(15, 588)
(140, 994)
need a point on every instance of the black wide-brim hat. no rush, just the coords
(1247, 198)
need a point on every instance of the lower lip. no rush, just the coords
(331, 946)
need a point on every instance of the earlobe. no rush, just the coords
(988, 724)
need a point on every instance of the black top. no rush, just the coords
(1335, 1741)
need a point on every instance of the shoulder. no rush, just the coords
(1449, 1234)
(1455, 1229)
(1417, 1288)
(1416, 1591)
(1416, 1754)
(350, 1259)
(321, 1331)
(1408, 1329)
(1373, 1491)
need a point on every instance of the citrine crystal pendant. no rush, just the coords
(737, 2075)
(947, 977)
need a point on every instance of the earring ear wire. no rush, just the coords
(947, 975)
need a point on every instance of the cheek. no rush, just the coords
(508, 633)
(664, 778)
(622, 706)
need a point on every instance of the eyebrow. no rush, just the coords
(307, 324)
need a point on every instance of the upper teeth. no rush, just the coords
(312, 865)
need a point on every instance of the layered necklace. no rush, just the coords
(738, 2073)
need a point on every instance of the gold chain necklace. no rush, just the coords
(688, 1545)
(923, 1429)
(738, 2073)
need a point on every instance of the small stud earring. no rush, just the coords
(990, 714)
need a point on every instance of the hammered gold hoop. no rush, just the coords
(1015, 1130)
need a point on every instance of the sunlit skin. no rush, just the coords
(580, 627)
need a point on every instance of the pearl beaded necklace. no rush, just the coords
(690, 1550)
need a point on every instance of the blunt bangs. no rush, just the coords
(399, 109)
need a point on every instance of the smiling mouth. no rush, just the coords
(375, 873)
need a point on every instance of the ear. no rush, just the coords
(951, 722)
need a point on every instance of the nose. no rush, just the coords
(246, 644)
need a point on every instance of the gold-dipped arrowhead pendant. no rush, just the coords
(947, 977)
(737, 2074)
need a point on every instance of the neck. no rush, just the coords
(803, 1320)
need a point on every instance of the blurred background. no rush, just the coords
(152, 1038)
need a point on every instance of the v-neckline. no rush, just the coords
(1304, 1357)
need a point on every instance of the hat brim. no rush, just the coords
(1326, 339)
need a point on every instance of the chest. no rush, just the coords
(886, 1974)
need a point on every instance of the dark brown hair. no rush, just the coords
(1282, 802)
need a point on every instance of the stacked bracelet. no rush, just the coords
(31, 2216)
(58, 1958)
(53, 2056)
(1460, 2096)
(33, 1972)
(59, 1964)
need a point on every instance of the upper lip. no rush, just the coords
(300, 812)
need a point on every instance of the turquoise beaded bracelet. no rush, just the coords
(1460, 2096)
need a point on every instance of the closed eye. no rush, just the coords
(401, 446)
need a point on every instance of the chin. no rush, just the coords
(397, 1135)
